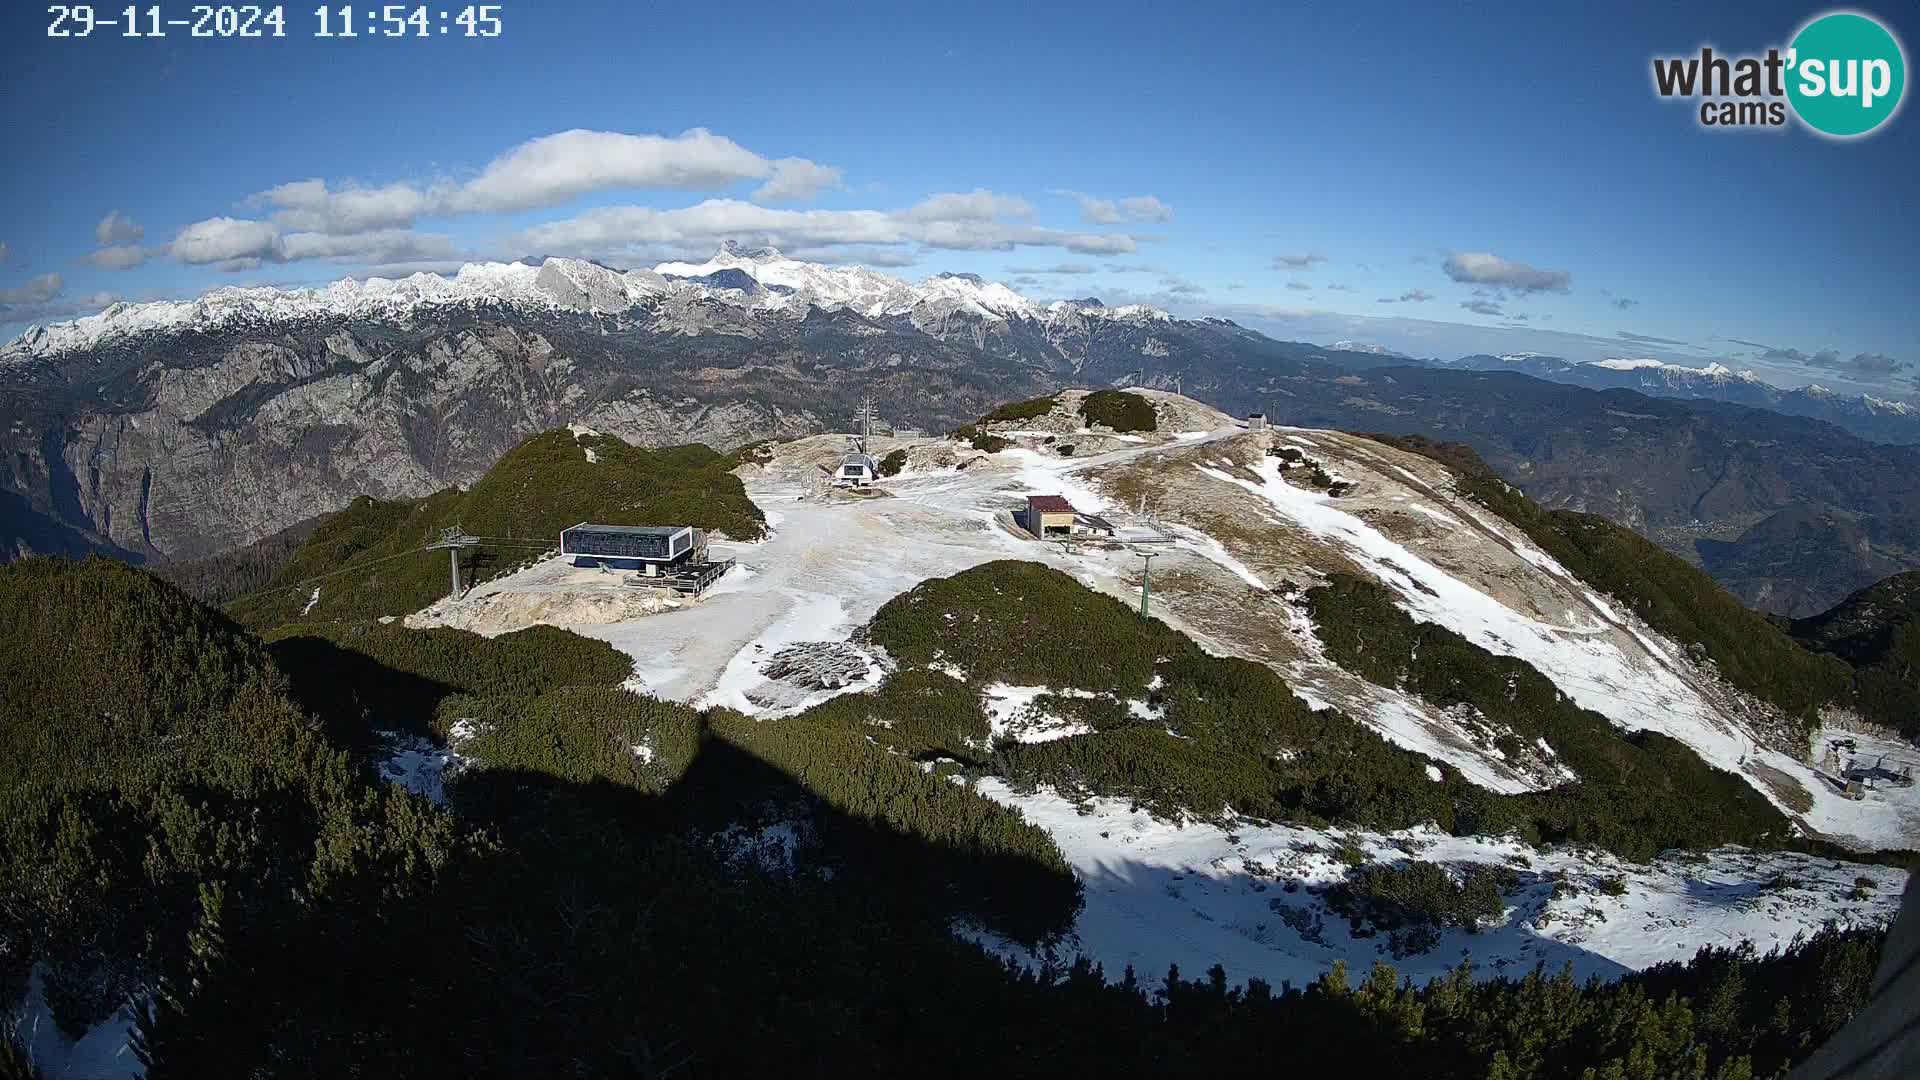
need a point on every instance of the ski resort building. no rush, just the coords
(1049, 515)
(647, 548)
(1052, 517)
(666, 556)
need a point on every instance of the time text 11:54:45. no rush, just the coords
(258, 21)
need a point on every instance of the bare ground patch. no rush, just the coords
(1788, 790)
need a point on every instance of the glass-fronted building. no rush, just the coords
(651, 544)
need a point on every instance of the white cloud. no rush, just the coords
(37, 290)
(976, 205)
(1146, 208)
(383, 247)
(862, 256)
(1133, 208)
(1297, 260)
(119, 239)
(970, 221)
(1482, 307)
(1482, 268)
(117, 229)
(1057, 268)
(1002, 236)
(556, 168)
(312, 219)
(544, 172)
(795, 179)
(1257, 311)
(706, 223)
(119, 257)
(228, 240)
(1412, 296)
(43, 298)
(310, 206)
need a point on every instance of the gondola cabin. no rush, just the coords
(856, 470)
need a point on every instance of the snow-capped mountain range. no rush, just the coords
(1878, 419)
(758, 280)
(1716, 370)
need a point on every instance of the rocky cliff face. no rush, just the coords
(209, 445)
(174, 430)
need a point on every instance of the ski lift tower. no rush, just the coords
(1146, 572)
(864, 425)
(857, 467)
(453, 538)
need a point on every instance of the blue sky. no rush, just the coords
(1450, 170)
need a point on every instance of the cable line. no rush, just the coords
(332, 573)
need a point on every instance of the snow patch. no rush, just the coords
(1012, 713)
(105, 1050)
(423, 766)
(1248, 896)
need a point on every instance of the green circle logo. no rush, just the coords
(1846, 74)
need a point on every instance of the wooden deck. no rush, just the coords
(691, 580)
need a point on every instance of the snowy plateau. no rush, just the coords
(1237, 539)
(1245, 893)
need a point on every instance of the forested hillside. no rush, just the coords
(736, 892)
(1243, 740)
(1877, 630)
(367, 560)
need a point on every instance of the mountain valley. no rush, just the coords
(174, 431)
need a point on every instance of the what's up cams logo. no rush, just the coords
(1843, 76)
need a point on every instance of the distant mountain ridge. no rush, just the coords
(178, 430)
(759, 280)
(1873, 418)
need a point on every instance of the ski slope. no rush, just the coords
(830, 564)
(1193, 894)
(1161, 893)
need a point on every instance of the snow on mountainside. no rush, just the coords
(1716, 372)
(1236, 539)
(371, 298)
(1240, 537)
(1367, 347)
(757, 280)
(1873, 418)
